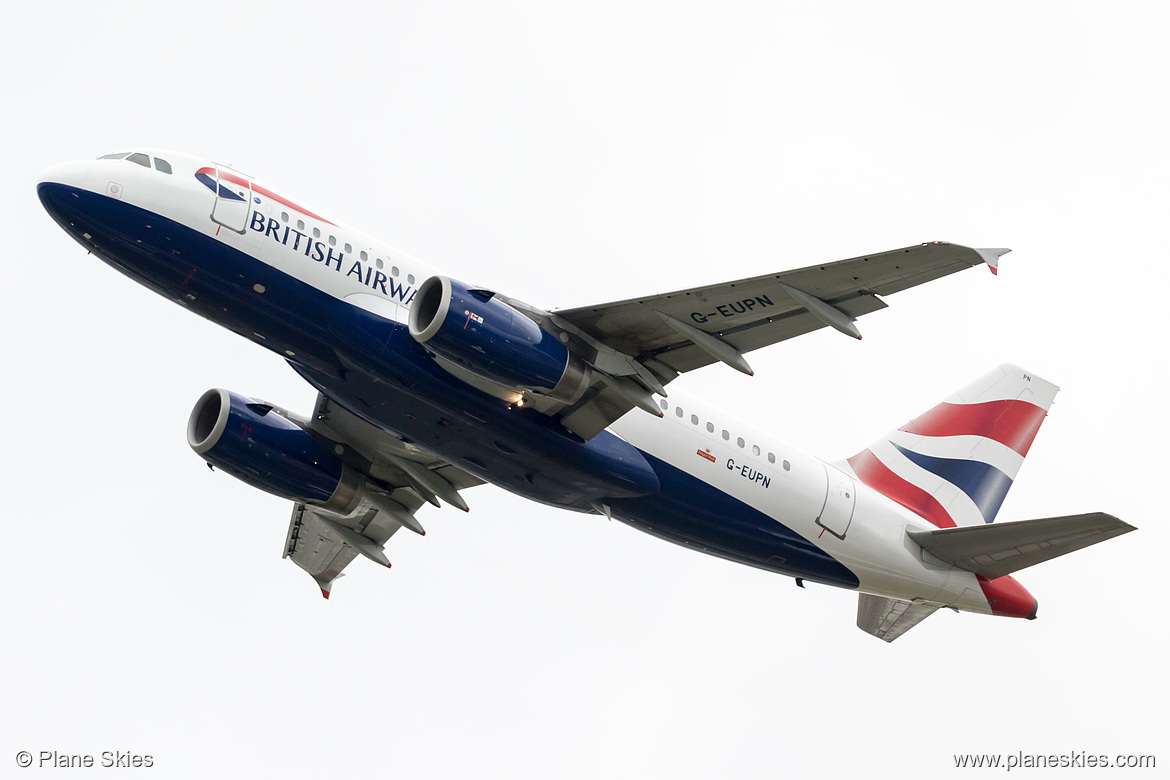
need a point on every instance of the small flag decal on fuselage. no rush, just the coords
(705, 454)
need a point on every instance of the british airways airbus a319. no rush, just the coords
(428, 386)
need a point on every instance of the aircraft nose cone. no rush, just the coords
(71, 174)
(59, 189)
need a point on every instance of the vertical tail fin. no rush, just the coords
(954, 464)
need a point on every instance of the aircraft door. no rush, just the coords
(840, 498)
(233, 202)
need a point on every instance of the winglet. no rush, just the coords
(325, 585)
(991, 257)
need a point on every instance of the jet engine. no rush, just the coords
(489, 338)
(259, 445)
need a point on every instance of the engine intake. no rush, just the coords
(486, 336)
(259, 446)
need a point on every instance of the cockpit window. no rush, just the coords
(140, 158)
(162, 165)
(114, 156)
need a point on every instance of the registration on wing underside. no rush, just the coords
(660, 336)
(751, 313)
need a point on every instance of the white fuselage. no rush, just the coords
(859, 528)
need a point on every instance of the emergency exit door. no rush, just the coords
(233, 200)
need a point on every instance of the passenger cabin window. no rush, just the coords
(694, 419)
(740, 442)
(678, 411)
(300, 224)
(162, 165)
(139, 158)
(710, 427)
(755, 449)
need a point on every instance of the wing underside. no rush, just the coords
(997, 549)
(399, 479)
(889, 618)
(640, 344)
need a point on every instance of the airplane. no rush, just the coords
(428, 386)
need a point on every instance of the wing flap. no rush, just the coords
(889, 618)
(316, 547)
(997, 549)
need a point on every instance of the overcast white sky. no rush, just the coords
(568, 154)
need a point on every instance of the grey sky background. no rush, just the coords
(569, 154)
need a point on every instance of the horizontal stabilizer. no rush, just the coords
(995, 550)
(887, 618)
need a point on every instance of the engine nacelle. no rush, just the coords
(491, 339)
(257, 445)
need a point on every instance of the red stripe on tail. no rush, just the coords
(1011, 423)
(878, 476)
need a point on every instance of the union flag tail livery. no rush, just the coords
(954, 465)
(428, 386)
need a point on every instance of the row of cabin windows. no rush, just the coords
(678, 412)
(165, 167)
(139, 158)
(348, 248)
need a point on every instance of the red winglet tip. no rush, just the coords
(324, 593)
(994, 270)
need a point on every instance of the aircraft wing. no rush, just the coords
(889, 618)
(402, 478)
(642, 343)
(1004, 548)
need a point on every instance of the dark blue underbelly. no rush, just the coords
(691, 513)
(366, 363)
(373, 368)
